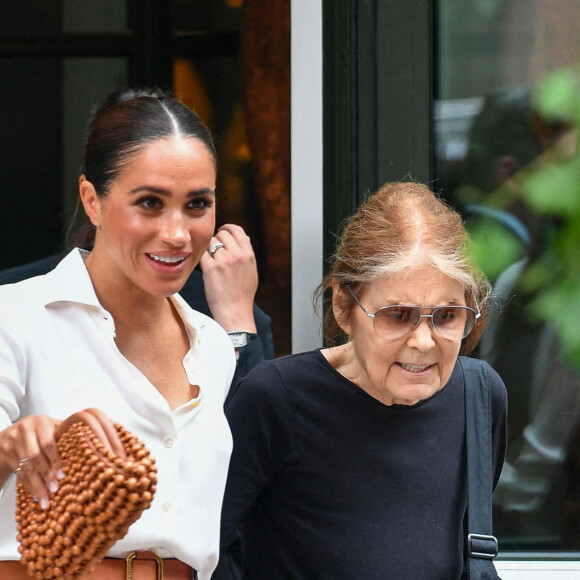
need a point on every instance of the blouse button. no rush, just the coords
(166, 506)
(168, 442)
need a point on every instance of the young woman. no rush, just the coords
(106, 329)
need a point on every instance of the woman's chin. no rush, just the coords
(412, 394)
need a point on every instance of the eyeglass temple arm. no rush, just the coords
(358, 302)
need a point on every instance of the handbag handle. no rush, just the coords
(101, 426)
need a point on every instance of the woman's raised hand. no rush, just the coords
(230, 277)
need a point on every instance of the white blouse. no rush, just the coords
(58, 356)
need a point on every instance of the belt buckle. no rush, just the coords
(132, 555)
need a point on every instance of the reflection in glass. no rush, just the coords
(491, 56)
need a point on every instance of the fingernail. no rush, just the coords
(60, 474)
(52, 486)
(44, 504)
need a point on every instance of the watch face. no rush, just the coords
(239, 339)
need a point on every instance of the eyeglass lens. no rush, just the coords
(453, 322)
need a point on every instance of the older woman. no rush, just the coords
(106, 329)
(349, 461)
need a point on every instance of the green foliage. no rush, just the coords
(493, 248)
(552, 187)
(558, 95)
(550, 190)
(559, 303)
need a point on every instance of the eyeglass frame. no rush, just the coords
(421, 315)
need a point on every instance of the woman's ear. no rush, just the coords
(90, 200)
(340, 309)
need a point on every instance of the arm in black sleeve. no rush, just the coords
(259, 348)
(18, 273)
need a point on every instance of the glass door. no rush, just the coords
(491, 56)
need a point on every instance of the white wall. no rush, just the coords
(306, 173)
(538, 570)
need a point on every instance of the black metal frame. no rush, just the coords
(149, 44)
(378, 94)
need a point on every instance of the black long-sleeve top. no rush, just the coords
(326, 482)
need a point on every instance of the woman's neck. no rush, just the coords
(128, 304)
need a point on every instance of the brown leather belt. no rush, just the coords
(137, 566)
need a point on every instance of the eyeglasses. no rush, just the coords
(451, 322)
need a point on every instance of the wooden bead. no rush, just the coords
(100, 496)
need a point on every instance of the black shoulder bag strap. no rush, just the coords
(482, 546)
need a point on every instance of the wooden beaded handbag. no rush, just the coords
(110, 479)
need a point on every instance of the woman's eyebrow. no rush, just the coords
(164, 192)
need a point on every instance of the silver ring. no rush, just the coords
(21, 465)
(213, 249)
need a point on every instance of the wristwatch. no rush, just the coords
(241, 338)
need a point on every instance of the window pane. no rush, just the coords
(30, 180)
(85, 83)
(94, 16)
(222, 16)
(491, 56)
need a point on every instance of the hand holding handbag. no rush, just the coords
(110, 479)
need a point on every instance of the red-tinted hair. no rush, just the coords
(403, 226)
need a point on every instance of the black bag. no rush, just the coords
(482, 546)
